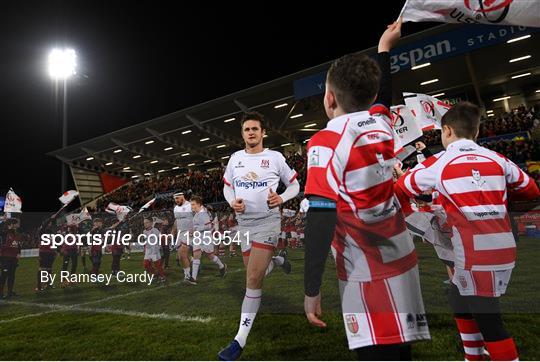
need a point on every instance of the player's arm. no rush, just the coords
(387, 41)
(520, 185)
(419, 180)
(290, 192)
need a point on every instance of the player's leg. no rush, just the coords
(471, 337)
(12, 267)
(147, 264)
(159, 266)
(41, 267)
(497, 340)
(183, 251)
(3, 275)
(196, 263)
(216, 260)
(83, 252)
(74, 256)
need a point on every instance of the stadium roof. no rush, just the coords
(206, 134)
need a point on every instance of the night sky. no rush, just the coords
(141, 60)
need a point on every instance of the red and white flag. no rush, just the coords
(428, 110)
(490, 12)
(119, 210)
(68, 196)
(147, 205)
(13, 202)
(405, 125)
(76, 218)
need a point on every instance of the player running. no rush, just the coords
(152, 255)
(182, 226)
(473, 184)
(202, 225)
(250, 183)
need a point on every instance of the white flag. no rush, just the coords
(147, 205)
(119, 210)
(404, 124)
(13, 202)
(68, 196)
(490, 12)
(427, 109)
(76, 218)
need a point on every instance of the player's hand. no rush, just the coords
(419, 145)
(238, 206)
(312, 307)
(274, 199)
(397, 171)
(391, 36)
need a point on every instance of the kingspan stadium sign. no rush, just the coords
(440, 46)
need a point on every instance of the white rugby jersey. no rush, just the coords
(372, 241)
(201, 221)
(183, 216)
(253, 175)
(472, 182)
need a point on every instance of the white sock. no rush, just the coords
(195, 271)
(186, 272)
(270, 267)
(278, 260)
(250, 307)
(216, 260)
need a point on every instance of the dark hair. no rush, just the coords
(197, 199)
(355, 81)
(253, 116)
(464, 118)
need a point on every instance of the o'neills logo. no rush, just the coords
(249, 181)
(367, 122)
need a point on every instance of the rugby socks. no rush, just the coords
(504, 350)
(218, 262)
(196, 263)
(473, 341)
(250, 307)
(186, 272)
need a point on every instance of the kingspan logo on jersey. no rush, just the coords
(249, 181)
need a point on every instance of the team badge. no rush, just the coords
(352, 323)
(265, 163)
(313, 158)
(477, 179)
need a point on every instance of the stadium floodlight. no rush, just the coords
(207, 161)
(519, 38)
(135, 176)
(438, 95)
(137, 156)
(281, 105)
(538, 91)
(62, 63)
(191, 164)
(154, 161)
(204, 139)
(489, 111)
(521, 75)
(108, 163)
(161, 171)
(186, 132)
(429, 81)
(117, 151)
(175, 167)
(221, 146)
(491, 115)
(420, 66)
(307, 140)
(225, 157)
(310, 125)
(185, 154)
(126, 168)
(167, 149)
(89, 158)
(501, 98)
(148, 174)
(296, 115)
(519, 59)
(149, 142)
(229, 120)
(286, 144)
(265, 136)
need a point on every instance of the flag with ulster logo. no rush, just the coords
(491, 12)
(404, 124)
(428, 110)
(13, 202)
(68, 196)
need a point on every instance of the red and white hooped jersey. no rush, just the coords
(371, 241)
(252, 175)
(473, 183)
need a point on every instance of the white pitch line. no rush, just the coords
(79, 307)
